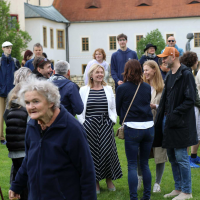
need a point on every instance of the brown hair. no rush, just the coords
(133, 72)
(157, 82)
(189, 58)
(90, 72)
(121, 36)
(100, 51)
(40, 62)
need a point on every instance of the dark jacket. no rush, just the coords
(59, 164)
(180, 127)
(16, 128)
(39, 76)
(70, 97)
(29, 64)
(118, 61)
(7, 70)
(140, 110)
(144, 58)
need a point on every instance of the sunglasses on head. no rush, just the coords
(171, 40)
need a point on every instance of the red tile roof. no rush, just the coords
(109, 10)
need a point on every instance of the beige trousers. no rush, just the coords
(2, 109)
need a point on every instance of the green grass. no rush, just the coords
(122, 192)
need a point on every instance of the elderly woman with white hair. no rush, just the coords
(98, 116)
(15, 118)
(58, 162)
(70, 97)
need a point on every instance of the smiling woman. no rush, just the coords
(98, 117)
(58, 163)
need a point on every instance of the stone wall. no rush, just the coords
(79, 81)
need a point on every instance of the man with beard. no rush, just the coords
(175, 127)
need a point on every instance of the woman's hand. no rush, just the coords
(153, 106)
(13, 195)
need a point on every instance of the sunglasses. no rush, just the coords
(171, 40)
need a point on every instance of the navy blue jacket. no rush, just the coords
(144, 58)
(58, 165)
(140, 110)
(118, 61)
(7, 70)
(70, 97)
(29, 64)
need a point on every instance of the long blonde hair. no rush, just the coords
(157, 83)
(90, 72)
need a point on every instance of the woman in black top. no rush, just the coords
(139, 125)
(16, 120)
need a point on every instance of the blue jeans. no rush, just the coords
(178, 157)
(134, 139)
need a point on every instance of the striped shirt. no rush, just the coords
(97, 103)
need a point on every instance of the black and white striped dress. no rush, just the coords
(100, 135)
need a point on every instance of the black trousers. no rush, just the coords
(17, 162)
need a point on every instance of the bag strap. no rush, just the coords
(131, 103)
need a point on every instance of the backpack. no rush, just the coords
(15, 61)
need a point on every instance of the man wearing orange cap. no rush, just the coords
(175, 127)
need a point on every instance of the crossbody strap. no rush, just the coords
(131, 103)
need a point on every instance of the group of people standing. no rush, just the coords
(64, 159)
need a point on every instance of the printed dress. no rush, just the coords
(100, 136)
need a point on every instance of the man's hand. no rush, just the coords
(120, 82)
(13, 195)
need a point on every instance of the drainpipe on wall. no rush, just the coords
(39, 2)
(67, 41)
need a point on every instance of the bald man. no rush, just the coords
(171, 42)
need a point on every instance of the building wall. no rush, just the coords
(35, 28)
(39, 2)
(99, 32)
(17, 8)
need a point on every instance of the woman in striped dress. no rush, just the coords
(98, 117)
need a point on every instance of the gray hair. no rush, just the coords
(45, 88)
(62, 67)
(37, 45)
(21, 75)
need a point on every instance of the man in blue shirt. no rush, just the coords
(37, 50)
(119, 59)
(8, 66)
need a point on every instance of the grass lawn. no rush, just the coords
(122, 192)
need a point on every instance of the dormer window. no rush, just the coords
(91, 4)
(144, 3)
(193, 2)
(92, 7)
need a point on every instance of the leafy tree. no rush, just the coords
(10, 31)
(155, 38)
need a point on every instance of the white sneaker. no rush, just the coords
(139, 182)
(183, 196)
(156, 188)
(172, 194)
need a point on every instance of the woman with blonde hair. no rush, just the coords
(99, 57)
(98, 117)
(153, 77)
(16, 120)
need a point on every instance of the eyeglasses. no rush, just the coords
(171, 40)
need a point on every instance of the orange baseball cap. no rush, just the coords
(169, 51)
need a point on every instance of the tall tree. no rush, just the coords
(10, 31)
(154, 37)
